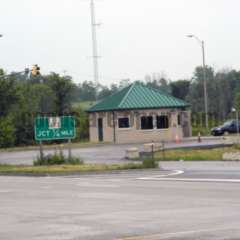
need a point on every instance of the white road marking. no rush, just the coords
(175, 234)
(196, 180)
(166, 177)
(157, 177)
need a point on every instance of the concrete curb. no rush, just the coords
(211, 146)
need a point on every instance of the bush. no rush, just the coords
(149, 163)
(57, 159)
(7, 132)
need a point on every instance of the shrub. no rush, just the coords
(75, 161)
(149, 163)
(57, 159)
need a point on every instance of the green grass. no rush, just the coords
(66, 169)
(194, 155)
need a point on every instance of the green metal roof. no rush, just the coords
(137, 96)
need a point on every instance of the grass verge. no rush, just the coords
(67, 169)
(195, 154)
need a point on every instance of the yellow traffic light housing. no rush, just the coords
(35, 70)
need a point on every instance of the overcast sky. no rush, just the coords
(137, 37)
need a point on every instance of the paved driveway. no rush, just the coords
(108, 153)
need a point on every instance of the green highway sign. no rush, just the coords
(54, 128)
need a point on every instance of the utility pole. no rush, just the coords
(94, 45)
(201, 42)
(237, 120)
(205, 86)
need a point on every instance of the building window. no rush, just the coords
(123, 122)
(179, 119)
(162, 122)
(147, 122)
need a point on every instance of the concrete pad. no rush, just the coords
(132, 153)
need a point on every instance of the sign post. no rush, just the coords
(41, 150)
(69, 150)
(55, 128)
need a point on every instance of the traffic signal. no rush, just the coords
(35, 70)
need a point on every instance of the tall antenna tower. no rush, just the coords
(94, 44)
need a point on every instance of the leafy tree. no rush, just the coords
(157, 81)
(44, 98)
(222, 93)
(7, 132)
(22, 114)
(63, 90)
(237, 90)
(124, 83)
(87, 91)
(196, 91)
(104, 92)
(237, 101)
(114, 88)
(82, 123)
(180, 88)
(8, 95)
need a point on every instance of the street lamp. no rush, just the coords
(201, 42)
(234, 110)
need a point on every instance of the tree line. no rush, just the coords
(23, 97)
(223, 89)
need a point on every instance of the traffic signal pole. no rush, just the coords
(26, 71)
(35, 71)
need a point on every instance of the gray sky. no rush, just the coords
(138, 37)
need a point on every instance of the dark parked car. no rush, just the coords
(228, 127)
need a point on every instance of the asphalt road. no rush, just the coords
(108, 154)
(127, 205)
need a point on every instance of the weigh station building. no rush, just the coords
(139, 114)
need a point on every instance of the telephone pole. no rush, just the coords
(202, 44)
(94, 45)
